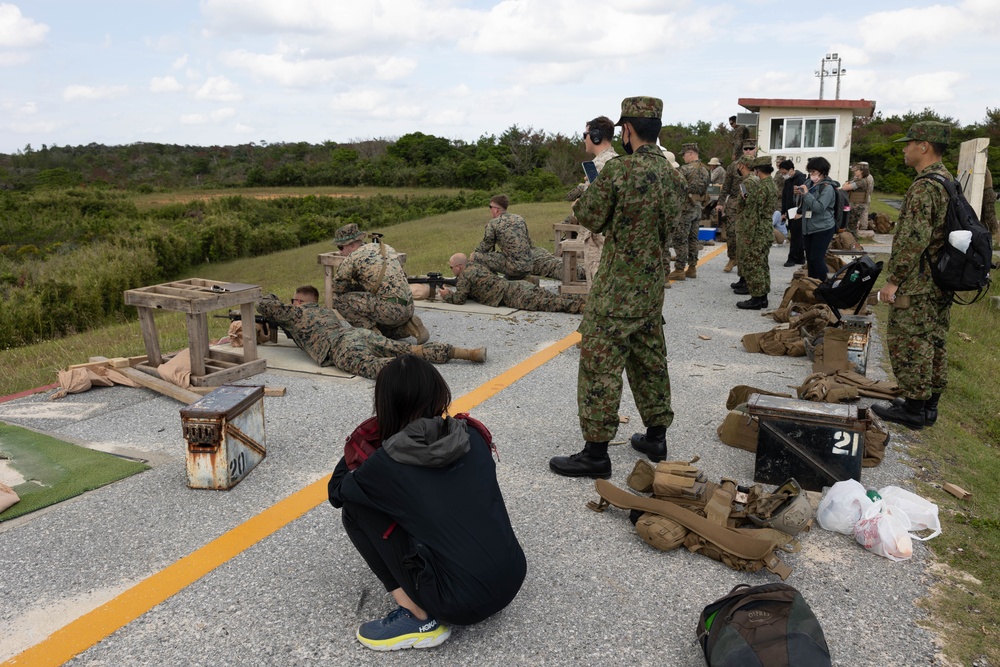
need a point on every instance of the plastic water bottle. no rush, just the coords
(873, 495)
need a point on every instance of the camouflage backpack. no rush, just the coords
(764, 625)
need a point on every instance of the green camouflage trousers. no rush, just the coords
(685, 238)
(859, 214)
(365, 311)
(498, 262)
(610, 345)
(916, 338)
(545, 264)
(754, 254)
(526, 296)
(365, 353)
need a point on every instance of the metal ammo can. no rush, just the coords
(225, 436)
(818, 444)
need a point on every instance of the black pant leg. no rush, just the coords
(796, 250)
(366, 528)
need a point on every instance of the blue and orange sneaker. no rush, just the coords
(401, 629)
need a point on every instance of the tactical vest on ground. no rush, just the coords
(741, 527)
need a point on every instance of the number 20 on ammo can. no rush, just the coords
(225, 436)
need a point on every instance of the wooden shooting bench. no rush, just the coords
(330, 261)
(569, 247)
(196, 298)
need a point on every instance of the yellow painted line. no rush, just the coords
(94, 626)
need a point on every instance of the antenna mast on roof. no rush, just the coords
(837, 71)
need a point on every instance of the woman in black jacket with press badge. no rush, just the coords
(426, 513)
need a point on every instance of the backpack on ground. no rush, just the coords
(955, 270)
(850, 286)
(762, 625)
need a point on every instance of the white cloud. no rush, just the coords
(921, 90)
(18, 31)
(180, 62)
(293, 68)
(240, 128)
(164, 84)
(217, 116)
(925, 28)
(77, 92)
(219, 89)
(346, 27)
(28, 108)
(362, 100)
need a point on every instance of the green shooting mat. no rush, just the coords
(47, 471)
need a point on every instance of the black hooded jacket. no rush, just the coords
(437, 480)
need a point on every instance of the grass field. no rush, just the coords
(152, 200)
(428, 242)
(962, 448)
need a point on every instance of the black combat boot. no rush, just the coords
(930, 408)
(593, 461)
(653, 444)
(910, 413)
(739, 283)
(753, 303)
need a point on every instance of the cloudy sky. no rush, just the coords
(219, 72)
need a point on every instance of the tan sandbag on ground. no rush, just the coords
(8, 497)
(883, 225)
(178, 370)
(78, 380)
(420, 292)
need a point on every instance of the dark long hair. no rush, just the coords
(406, 389)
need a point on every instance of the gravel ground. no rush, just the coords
(594, 595)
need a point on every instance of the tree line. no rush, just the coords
(531, 162)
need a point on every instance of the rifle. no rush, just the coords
(433, 279)
(268, 328)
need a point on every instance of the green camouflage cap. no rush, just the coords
(689, 147)
(760, 161)
(641, 107)
(928, 130)
(346, 234)
(747, 160)
(750, 143)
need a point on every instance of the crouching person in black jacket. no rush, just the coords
(426, 513)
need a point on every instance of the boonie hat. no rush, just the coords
(346, 234)
(641, 107)
(715, 162)
(928, 130)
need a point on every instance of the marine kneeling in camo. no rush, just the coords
(741, 527)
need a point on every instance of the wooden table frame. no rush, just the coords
(196, 298)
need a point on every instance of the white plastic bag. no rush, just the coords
(922, 513)
(884, 530)
(843, 506)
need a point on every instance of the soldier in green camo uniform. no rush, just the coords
(370, 288)
(728, 201)
(319, 333)
(859, 187)
(477, 282)
(685, 238)
(632, 204)
(918, 332)
(754, 231)
(509, 233)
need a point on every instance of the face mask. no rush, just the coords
(815, 178)
(627, 145)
